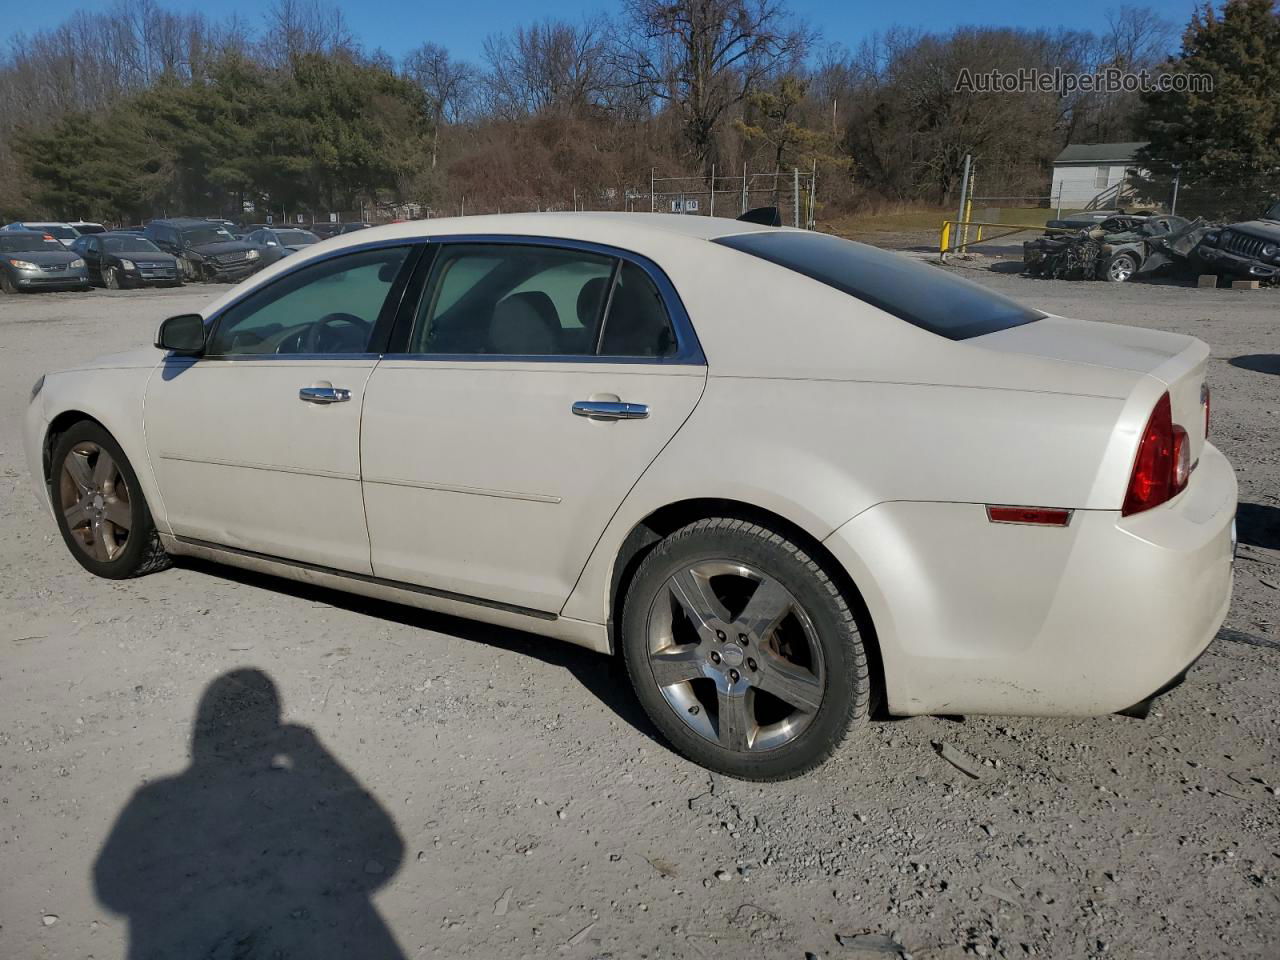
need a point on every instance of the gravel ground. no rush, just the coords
(518, 804)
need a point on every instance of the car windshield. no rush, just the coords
(27, 242)
(210, 234)
(128, 245)
(296, 238)
(53, 229)
(925, 296)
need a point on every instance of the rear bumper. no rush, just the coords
(976, 617)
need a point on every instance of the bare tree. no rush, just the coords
(299, 27)
(546, 66)
(449, 86)
(704, 56)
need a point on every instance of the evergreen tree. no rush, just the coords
(1223, 143)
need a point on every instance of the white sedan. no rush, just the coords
(790, 478)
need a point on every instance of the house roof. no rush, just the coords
(1099, 152)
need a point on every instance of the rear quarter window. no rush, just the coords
(922, 295)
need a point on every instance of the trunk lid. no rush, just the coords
(1178, 361)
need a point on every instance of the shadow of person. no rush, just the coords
(265, 847)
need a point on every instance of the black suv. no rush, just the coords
(205, 251)
(1249, 249)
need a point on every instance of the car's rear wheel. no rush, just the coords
(99, 506)
(1120, 267)
(111, 278)
(743, 650)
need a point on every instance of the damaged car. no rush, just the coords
(1250, 249)
(205, 251)
(1117, 249)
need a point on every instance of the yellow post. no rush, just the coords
(945, 240)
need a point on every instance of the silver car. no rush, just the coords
(37, 261)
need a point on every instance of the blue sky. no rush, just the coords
(399, 25)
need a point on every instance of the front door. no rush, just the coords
(255, 445)
(535, 387)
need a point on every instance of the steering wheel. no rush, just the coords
(321, 336)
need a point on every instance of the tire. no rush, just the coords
(100, 509)
(805, 647)
(6, 282)
(111, 278)
(1120, 268)
(189, 272)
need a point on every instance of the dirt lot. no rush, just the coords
(518, 803)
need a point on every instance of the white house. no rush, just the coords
(1084, 170)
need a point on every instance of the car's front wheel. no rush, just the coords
(99, 505)
(743, 650)
(1120, 268)
(111, 278)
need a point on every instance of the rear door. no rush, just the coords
(533, 385)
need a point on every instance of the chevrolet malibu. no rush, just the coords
(789, 478)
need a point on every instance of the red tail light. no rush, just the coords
(1163, 464)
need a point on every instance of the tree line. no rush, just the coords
(142, 110)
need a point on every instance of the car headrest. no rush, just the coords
(518, 329)
(543, 304)
(590, 297)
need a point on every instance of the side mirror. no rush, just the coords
(183, 334)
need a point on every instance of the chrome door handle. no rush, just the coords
(611, 410)
(324, 394)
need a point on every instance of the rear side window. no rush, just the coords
(922, 295)
(537, 300)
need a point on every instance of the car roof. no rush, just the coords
(43, 223)
(655, 235)
(185, 222)
(593, 226)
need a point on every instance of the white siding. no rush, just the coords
(1077, 182)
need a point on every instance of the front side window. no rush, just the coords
(527, 300)
(328, 307)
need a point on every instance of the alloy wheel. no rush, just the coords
(735, 656)
(95, 500)
(1120, 269)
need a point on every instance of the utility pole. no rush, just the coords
(713, 191)
(1177, 176)
(964, 187)
(744, 186)
(653, 201)
(795, 196)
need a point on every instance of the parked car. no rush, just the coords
(86, 226)
(205, 251)
(326, 230)
(1250, 249)
(120, 260)
(33, 260)
(64, 233)
(276, 243)
(787, 476)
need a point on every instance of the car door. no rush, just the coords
(255, 444)
(530, 388)
(90, 249)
